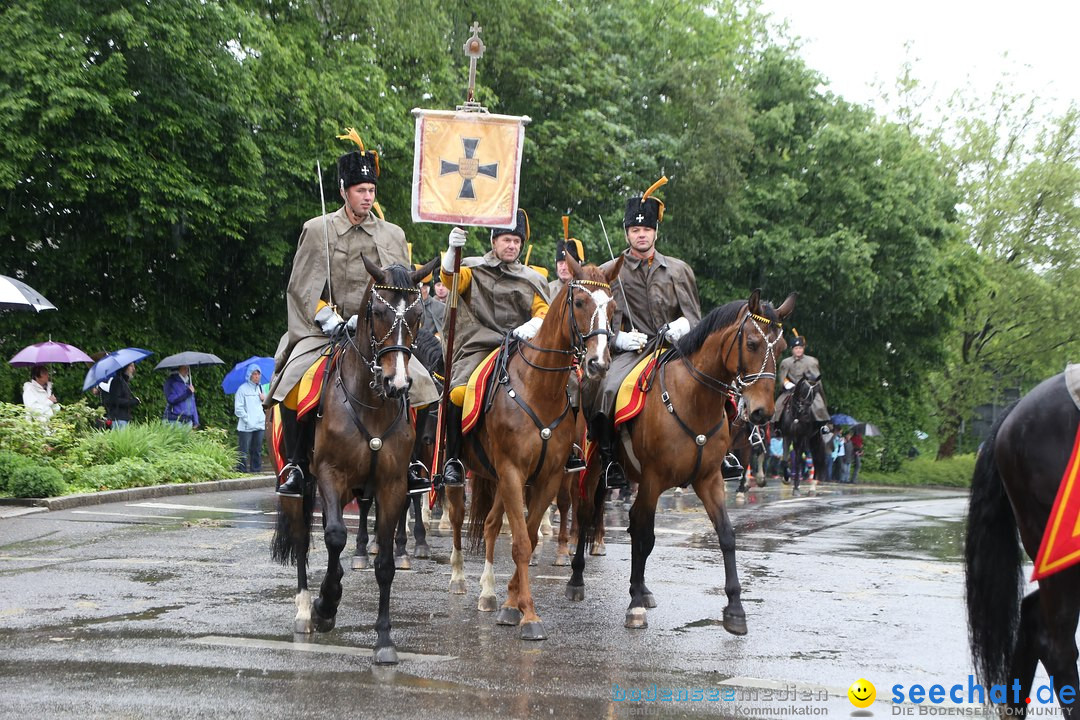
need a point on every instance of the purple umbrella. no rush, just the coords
(49, 352)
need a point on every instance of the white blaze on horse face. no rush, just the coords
(601, 299)
(401, 374)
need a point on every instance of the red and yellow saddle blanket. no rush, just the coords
(632, 391)
(1060, 547)
(309, 393)
(472, 408)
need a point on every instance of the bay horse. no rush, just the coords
(800, 431)
(682, 435)
(363, 439)
(524, 439)
(1017, 476)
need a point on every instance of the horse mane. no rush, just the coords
(399, 276)
(429, 351)
(719, 318)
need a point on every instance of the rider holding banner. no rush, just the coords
(499, 295)
(327, 285)
(654, 293)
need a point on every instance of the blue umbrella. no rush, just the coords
(842, 419)
(236, 377)
(111, 364)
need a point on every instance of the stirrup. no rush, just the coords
(293, 486)
(416, 482)
(614, 479)
(575, 463)
(453, 474)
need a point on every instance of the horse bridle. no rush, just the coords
(577, 338)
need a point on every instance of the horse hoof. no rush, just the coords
(385, 656)
(636, 618)
(324, 625)
(740, 498)
(649, 600)
(796, 491)
(534, 560)
(457, 587)
(734, 624)
(303, 627)
(422, 551)
(487, 603)
(533, 631)
(373, 547)
(508, 616)
(360, 562)
(575, 593)
(598, 548)
(561, 560)
(402, 562)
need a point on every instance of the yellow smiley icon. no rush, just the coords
(862, 693)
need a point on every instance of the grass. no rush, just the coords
(922, 471)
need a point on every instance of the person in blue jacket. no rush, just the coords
(180, 398)
(248, 406)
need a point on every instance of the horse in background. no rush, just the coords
(363, 439)
(800, 430)
(1017, 477)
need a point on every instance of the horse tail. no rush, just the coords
(595, 521)
(993, 568)
(283, 546)
(483, 499)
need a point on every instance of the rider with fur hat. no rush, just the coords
(564, 246)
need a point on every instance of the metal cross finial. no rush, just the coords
(474, 50)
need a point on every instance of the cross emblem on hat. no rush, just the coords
(364, 170)
(468, 168)
(640, 217)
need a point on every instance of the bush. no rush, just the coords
(11, 464)
(925, 471)
(189, 467)
(37, 481)
(126, 473)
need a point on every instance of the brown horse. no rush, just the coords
(363, 439)
(525, 438)
(1017, 477)
(682, 435)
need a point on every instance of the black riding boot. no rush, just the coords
(603, 434)
(293, 486)
(417, 483)
(453, 474)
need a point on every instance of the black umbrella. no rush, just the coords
(189, 358)
(17, 295)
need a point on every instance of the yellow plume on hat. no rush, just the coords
(377, 209)
(351, 134)
(566, 227)
(656, 186)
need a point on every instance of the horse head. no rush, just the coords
(392, 319)
(590, 310)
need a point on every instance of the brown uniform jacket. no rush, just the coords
(795, 369)
(657, 293)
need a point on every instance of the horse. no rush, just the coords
(523, 438)
(428, 351)
(363, 439)
(681, 437)
(799, 430)
(1017, 477)
(746, 440)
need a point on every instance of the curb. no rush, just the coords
(67, 502)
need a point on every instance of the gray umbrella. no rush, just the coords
(189, 358)
(17, 295)
(867, 429)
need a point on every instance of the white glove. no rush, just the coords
(677, 329)
(328, 320)
(788, 385)
(351, 324)
(527, 331)
(456, 240)
(630, 341)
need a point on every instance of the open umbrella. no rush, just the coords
(111, 364)
(236, 377)
(189, 358)
(17, 295)
(842, 419)
(866, 429)
(49, 352)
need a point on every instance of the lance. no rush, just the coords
(326, 235)
(630, 315)
(474, 50)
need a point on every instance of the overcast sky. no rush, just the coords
(857, 42)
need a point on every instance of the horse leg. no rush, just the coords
(797, 465)
(524, 537)
(421, 550)
(1025, 655)
(487, 602)
(711, 492)
(392, 498)
(454, 509)
(642, 539)
(401, 539)
(336, 536)
(292, 538)
(1057, 638)
(360, 559)
(562, 501)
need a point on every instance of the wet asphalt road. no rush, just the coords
(173, 608)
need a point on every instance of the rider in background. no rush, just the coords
(499, 295)
(657, 292)
(796, 367)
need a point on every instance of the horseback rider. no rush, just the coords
(576, 250)
(352, 231)
(657, 293)
(434, 309)
(796, 367)
(499, 295)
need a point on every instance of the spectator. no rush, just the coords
(849, 452)
(837, 456)
(248, 406)
(856, 458)
(775, 463)
(120, 400)
(180, 398)
(38, 394)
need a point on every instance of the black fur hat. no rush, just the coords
(645, 210)
(521, 229)
(358, 166)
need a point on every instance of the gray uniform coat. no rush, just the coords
(794, 369)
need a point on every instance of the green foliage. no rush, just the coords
(925, 471)
(124, 473)
(36, 481)
(11, 465)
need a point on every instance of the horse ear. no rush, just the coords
(374, 270)
(754, 301)
(575, 267)
(788, 306)
(425, 270)
(613, 272)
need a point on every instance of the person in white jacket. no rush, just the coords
(38, 394)
(248, 406)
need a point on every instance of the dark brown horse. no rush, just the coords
(1017, 477)
(800, 432)
(363, 439)
(682, 436)
(525, 437)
